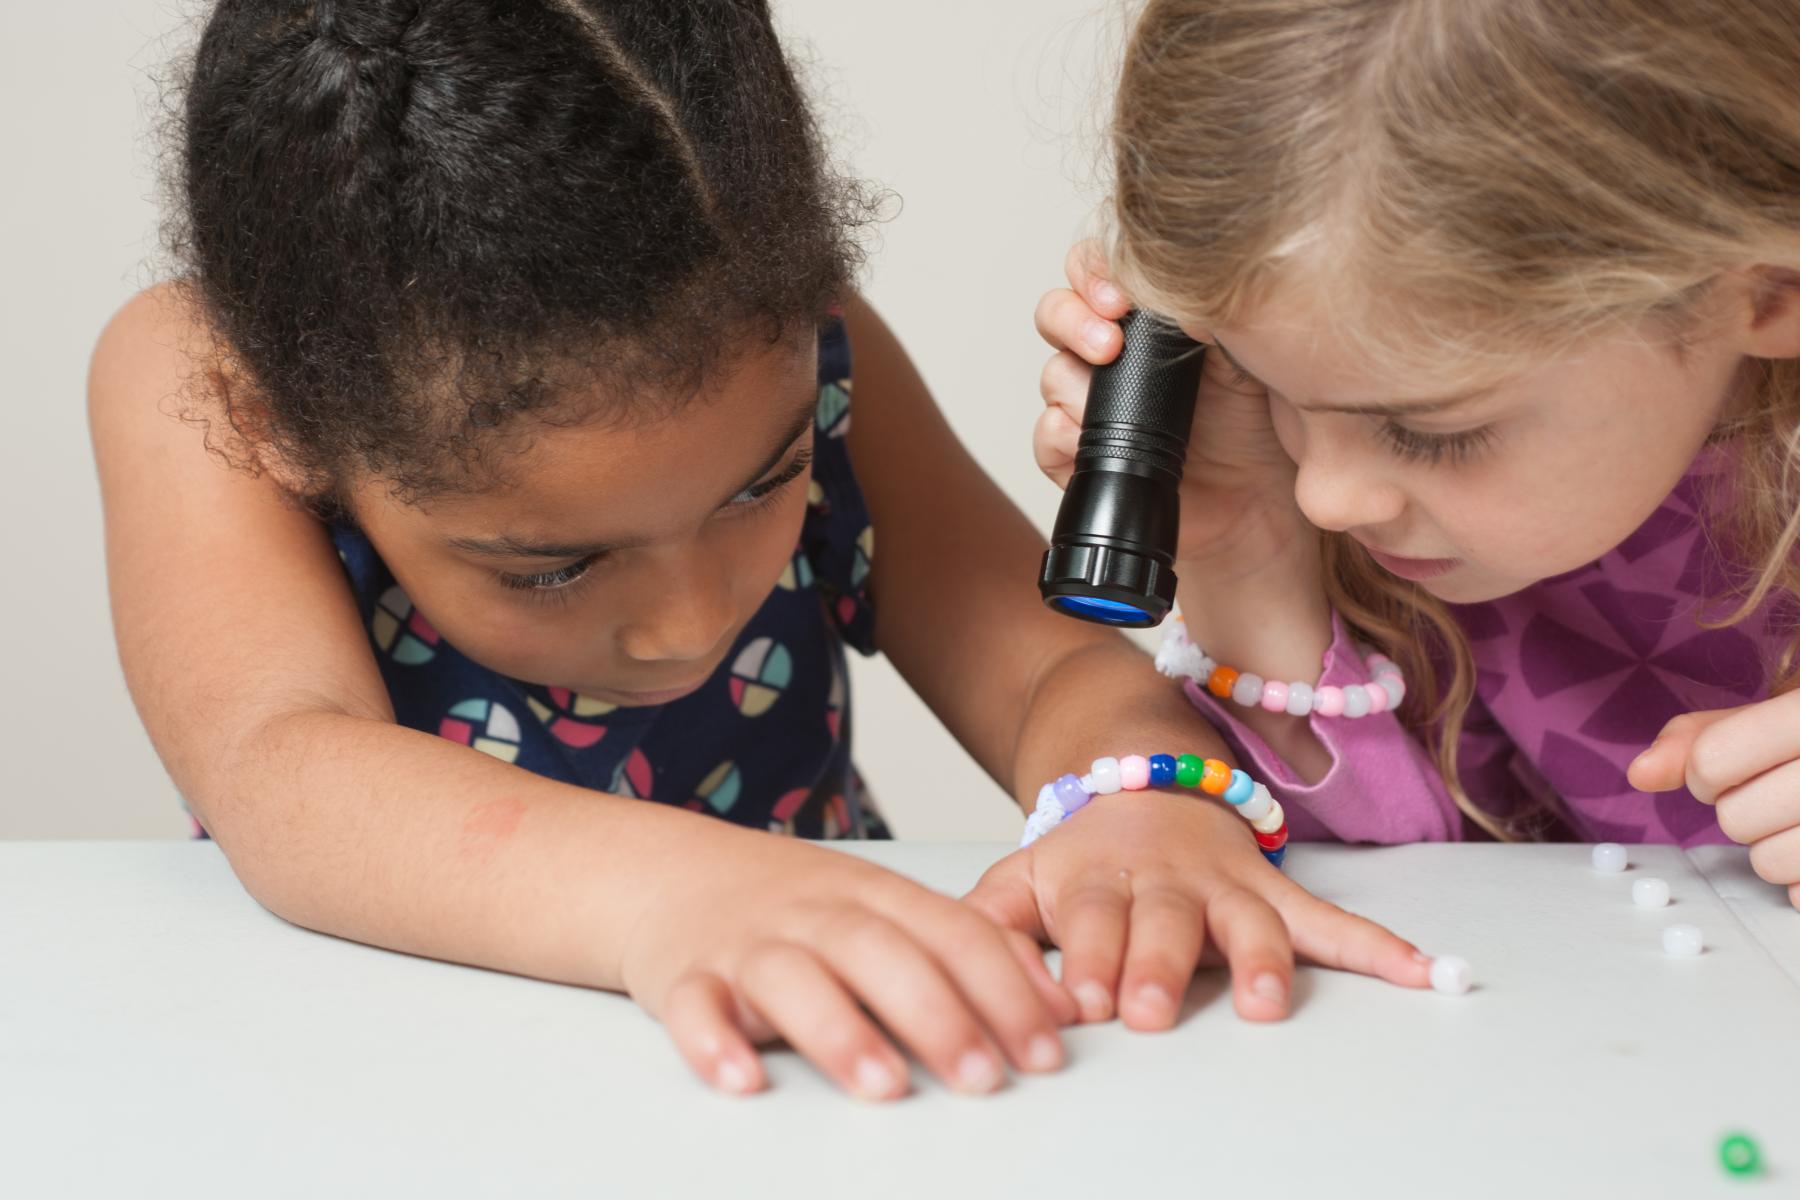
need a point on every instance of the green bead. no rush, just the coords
(1739, 1155)
(1189, 770)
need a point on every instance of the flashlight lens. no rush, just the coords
(1109, 611)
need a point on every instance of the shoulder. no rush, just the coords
(148, 350)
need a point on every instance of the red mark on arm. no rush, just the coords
(489, 826)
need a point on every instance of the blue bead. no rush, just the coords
(1162, 769)
(1276, 857)
(1241, 789)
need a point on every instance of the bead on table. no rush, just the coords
(1451, 975)
(1609, 857)
(1683, 941)
(1650, 893)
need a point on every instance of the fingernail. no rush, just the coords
(1156, 997)
(1107, 294)
(1098, 334)
(977, 1071)
(874, 1080)
(1269, 987)
(1094, 1001)
(732, 1077)
(1043, 1054)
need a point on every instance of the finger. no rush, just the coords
(1777, 859)
(1742, 745)
(1090, 925)
(983, 963)
(1331, 937)
(1161, 949)
(1066, 320)
(1794, 896)
(909, 992)
(1763, 807)
(700, 1016)
(1257, 947)
(1056, 998)
(809, 1007)
(1663, 766)
(1054, 441)
(1090, 275)
(1063, 384)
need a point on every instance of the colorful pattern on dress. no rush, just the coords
(765, 743)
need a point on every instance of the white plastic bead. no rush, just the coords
(1259, 803)
(1384, 666)
(1105, 774)
(1247, 691)
(1683, 941)
(1356, 701)
(1396, 690)
(1609, 857)
(1650, 893)
(1270, 821)
(1451, 975)
(1300, 696)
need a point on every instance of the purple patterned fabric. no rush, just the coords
(1576, 676)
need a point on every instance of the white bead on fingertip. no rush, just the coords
(1451, 975)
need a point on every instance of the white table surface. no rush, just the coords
(162, 1035)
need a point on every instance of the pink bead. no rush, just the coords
(1378, 698)
(1134, 773)
(1328, 701)
(1274, 697)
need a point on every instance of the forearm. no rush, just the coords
(1273, 621)
(1104, 699)
(389, 836)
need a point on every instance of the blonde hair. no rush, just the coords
(1519, 176)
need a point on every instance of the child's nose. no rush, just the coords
(1336, 492)
(683, 617)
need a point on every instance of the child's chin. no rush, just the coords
(1469, 584)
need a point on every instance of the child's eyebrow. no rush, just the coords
(1402, 409)
(507, 546)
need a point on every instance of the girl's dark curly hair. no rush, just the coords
(406, 222)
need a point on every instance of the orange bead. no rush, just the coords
(1222, 681)
(1216, 778)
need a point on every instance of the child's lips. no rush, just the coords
(651, 699)
(1415, 569)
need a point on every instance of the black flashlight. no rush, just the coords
(1112, 554)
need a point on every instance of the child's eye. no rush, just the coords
(751, 496)
(549, 581)
(1435, 448)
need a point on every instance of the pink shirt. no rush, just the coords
(1576, 676)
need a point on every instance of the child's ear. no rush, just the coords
(1772, 316)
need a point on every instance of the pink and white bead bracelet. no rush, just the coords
(1180, 658)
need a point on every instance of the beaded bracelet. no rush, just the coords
(1180, 658)
(1066, 796)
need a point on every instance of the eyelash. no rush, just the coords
(1435, 448)
(560, 583)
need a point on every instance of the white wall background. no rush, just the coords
(979, 114)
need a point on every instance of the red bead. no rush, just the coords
(1272, 841)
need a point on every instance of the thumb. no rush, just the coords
(1004, 896)
(1663, 767)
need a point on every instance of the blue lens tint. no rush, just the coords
(1112, 612)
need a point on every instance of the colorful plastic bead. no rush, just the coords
(1248, 690)
(1215, 777)
(1739, 1154)
(1451, 975)
(1356, 701)
(1378, 697)
(1134, 773)
(1609, 857)
(1328, 701)
(1394, 687)
(1162, 770)
(1272, 841)
(1241, 789)
(1069, 791)
(1189, 770)
(1276, 857)
(1259, 803)
(1105, 774)
(1270, 821)
(1299, 699)
(1650, 893)
(1683, 941)
(1274, 697)
(1222, 680)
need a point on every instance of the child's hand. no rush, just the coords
(1746, 763)
(784, 940)
(1137, 886)
(1238, 487)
